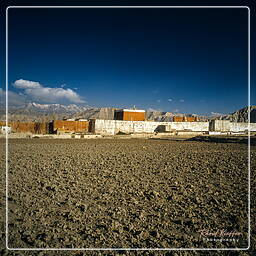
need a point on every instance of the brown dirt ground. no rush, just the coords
(124, 194)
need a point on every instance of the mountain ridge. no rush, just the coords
(46, 112)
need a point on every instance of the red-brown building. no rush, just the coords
(178, 119)
(185, 119)
(27, 127)
(129, 115)
(66, 126)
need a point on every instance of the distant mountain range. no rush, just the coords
(47, 112)
(54, 108)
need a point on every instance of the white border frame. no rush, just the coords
(130, 249)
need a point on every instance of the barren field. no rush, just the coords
(114, 193)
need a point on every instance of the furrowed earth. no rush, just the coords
(124, 193)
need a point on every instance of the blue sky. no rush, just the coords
(177, 60)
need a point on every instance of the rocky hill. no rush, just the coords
(241, 115)
(97, 113)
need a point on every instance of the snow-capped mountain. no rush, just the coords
(55, 108)
(41, 112)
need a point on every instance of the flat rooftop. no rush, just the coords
(130, 110)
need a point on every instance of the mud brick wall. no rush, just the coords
(22, 127)
(191, 119)
(29, 127)
(178, 119)
(185, 119)
(41, 128)
(70, 126)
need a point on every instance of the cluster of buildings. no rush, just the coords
(127, 121)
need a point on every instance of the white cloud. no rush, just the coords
(169, 100)
(182, 100)
(159, 101)
(175, 110)
(25, 84)
(14, 99)
(38, 92)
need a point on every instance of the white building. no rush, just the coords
(6, 129)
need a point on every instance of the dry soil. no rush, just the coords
(114, 193)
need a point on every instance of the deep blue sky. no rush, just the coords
(143, 57)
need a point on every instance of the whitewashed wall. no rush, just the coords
(219, 125)
(193, 126)
(241, 127)
(111, 127)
